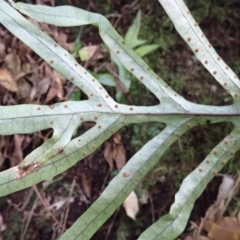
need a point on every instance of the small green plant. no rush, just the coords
(61, 152)
(140, 48)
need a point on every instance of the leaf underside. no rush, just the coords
(61, 152)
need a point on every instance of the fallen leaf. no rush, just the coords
(108, 154)
(115, 151)
(24, 89)
(86, 185)
(2, 52)
(131, 205)
(6, 80)
(225, 228)
(43, 86)
(119, 153)
(51, 94)
(226, 187)
(17, 155)
(120, 156)
(13, 63)
(117, 138)
(59, 87)
(3, 226)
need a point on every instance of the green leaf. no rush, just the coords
(146, 49)
(131, 37)
(189, 30)
(75, 96)
(106, 79)
(83, 54)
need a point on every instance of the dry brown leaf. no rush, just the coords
(117, 138)
(86, 185)
(3, 226)
(13, 63)
(131, 205)
(24, 51)
(108, 154)
(43, 86)
(24, 89)
(213, 212)
(51, 94)
(59, 87)
(225, 228)
(26, 67)
(2, 52)
(120, 153)
(120, 156)
(115, 151)
(6, 80)
(17, 155)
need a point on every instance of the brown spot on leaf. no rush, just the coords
(22, 171)
(224, 162)
(126, 174)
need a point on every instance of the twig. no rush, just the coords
(110, 227)
(68, 206)
(46, 207)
